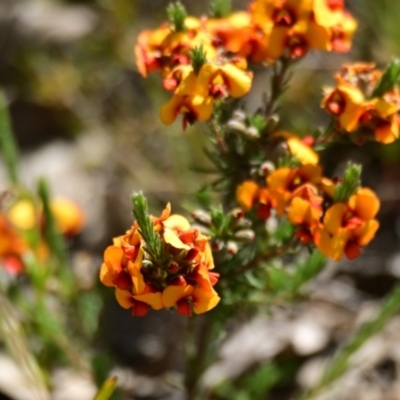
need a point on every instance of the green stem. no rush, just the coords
(7, 142)
(279, 81)
(198, 361)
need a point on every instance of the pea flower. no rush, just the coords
(196, 91)
(182, 279)
(355, 105)
(347, 227)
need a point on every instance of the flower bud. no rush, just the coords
(202, 217)
(232, 247)
(236, 126)
(239, 115)
(252, 133)
(245, 234)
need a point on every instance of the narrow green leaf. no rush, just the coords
(107, 389)
(154, 245)
(177, 15)
(349, 185)
(13, 335)
(7, 142)
(53, 237)
(220, 8)
(389, 79)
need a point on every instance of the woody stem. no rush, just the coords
(278, 84)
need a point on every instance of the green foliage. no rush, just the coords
(389, 79)
(220, 8)
(176, 15)
(107, 389)
(89, 306)
(258, 121)
(53, 237)
(154, 246)
(7, 142)
(349, 185)
(13, 335)
(285, 283)
(198, 57)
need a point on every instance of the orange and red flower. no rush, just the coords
(347, 227)
(183, 279)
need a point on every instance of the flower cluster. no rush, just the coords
(21, 217)
(356, 103)
(12, 247)
(204, 60)
(299, 26)
(178, 274)
(337, 216)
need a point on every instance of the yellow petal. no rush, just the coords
(385, 109)
(246, 194)
(172, 294)
(334, 217)
(237, 80)
(301, 212)
(68, 216)
(367, 233)
(170, 110)
(204, 300)
(365, 203)
(298, 149)
(124, 298)
(387, 132)
(22, 214)
(177, 221)
(204, 109)
(111, 266)
(152, 299)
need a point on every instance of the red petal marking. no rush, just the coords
(308, 140)
(264, 211)
(180, 281)
(170, 84)
(183, 308)
(131, 252)
(123, 281)
(353, 223)
(139, 309)
(304, 236)
(335, 4)
(188, 236)
(192, 254)
(214, 276)
(352, 250)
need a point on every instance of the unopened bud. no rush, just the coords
(232, 247)
(239, 115)
(202, 217)
(244, 223)
(236, 213)
(236, 126)
(266, 168)
(147, 264)
(252, 133)
(245, 234)
(173, 268)
(217, 245)
(272, 123)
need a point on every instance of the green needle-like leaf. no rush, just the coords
(7, 142)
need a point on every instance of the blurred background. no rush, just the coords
(86, 120)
